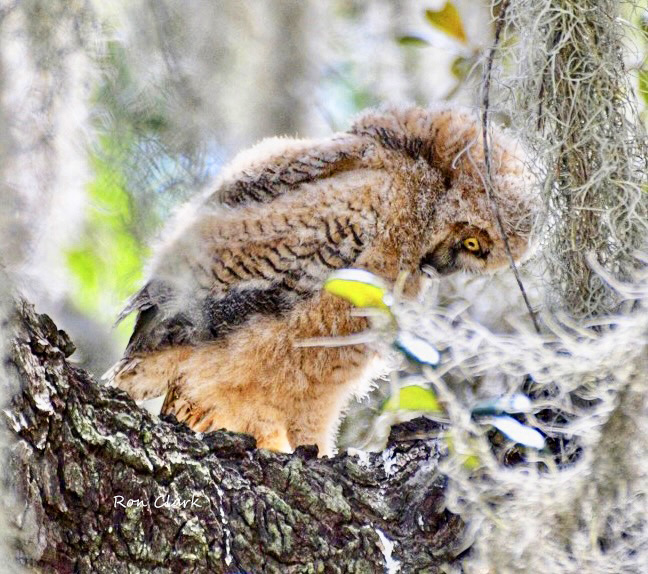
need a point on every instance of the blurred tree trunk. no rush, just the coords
(79, 445)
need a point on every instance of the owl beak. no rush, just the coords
(432, 261)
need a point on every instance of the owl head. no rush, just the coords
(464, 234)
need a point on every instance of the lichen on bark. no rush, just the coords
(201, 503)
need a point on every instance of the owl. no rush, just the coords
(236, 284)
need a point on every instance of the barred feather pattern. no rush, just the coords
(237, 283)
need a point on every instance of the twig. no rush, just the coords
(487, 159)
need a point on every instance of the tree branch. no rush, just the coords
(80, 445)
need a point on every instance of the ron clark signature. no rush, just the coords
(162, 501)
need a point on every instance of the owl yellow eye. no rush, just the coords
(471, 244)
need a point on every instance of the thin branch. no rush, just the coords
(487, 158)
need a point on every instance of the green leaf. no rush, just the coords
(413, 398)
(460, 67)
(518, 432)
(643, 84)
(516, 403)
(447, 20)
(469, 461)
(415, 41)
(417, 349)
(359, 287)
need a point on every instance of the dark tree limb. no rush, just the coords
(79, 445)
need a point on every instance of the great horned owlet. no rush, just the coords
(238, 280)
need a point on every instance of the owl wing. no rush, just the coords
(277, 165)
(274, 257)
(164, 323)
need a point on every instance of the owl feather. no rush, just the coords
(236, 285)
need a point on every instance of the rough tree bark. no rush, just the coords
(79, 445)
